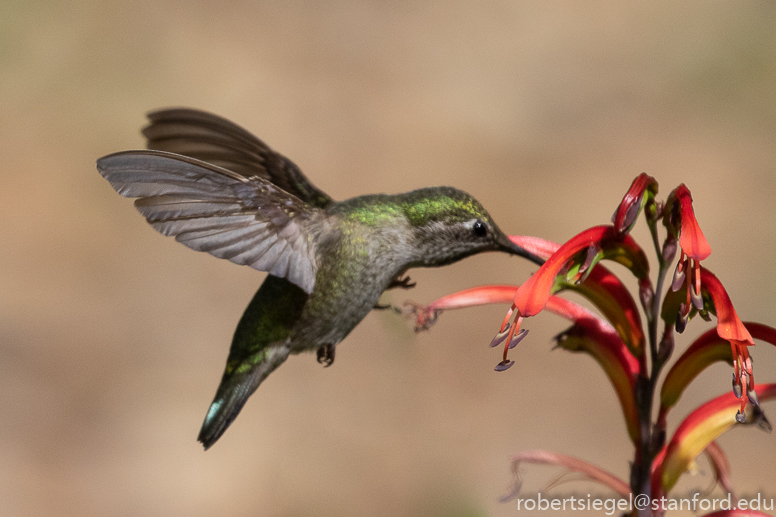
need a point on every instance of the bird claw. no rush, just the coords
(325, 355)
(403, 283)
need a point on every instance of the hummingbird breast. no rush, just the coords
(356, 264)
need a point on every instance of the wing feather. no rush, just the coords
(215, 140)
(171, 227)
(163, 208)
(249, 221)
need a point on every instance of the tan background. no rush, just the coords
(113, 338)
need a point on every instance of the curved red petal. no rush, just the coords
(631, 203)
(729, 325)
(533, 294)
(603, 288)
(536, 245)
(706, 350)
(692, 240)
(492, 294)
(474, 296)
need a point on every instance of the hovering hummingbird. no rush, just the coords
(217, 188)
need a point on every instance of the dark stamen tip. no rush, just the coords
(737, 390)
(518, 338)
(500, 337)
(681, 320)
(590, 255)
(740, 417)
(697, 299)
(679, 277)
(504, 365)
(631, 215)
(752, 395)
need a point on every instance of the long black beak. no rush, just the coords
(513, 249)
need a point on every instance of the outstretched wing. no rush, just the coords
(215, 140)
(249, 221)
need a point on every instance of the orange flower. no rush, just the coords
(694, 247)
(730, 328)
(709, 348)
(576, 258)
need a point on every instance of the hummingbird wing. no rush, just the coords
(248, 221)
(215, 140)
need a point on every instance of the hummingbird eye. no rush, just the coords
(480, 229)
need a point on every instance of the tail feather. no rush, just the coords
(236, 386)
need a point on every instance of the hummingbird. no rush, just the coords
(217, 188)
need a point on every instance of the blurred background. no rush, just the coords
(113, 338)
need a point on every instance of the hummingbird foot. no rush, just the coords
(403, 283)
(325, 355)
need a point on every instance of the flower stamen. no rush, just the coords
(698, 279)
(511, 340)
(679, 273)
(500, 337)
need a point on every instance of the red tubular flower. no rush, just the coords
(714, 299)
(691, 240)
(533, 294)
(633, 201)
(694, 246)
(603, 288)
(536, 245)
(730, 328)
(530, 299)
(698, 430)
(426, 315)
(706, 350)
(597, 242)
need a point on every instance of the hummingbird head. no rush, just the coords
(449, 224)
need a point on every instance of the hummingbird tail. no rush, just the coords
(237, 385)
